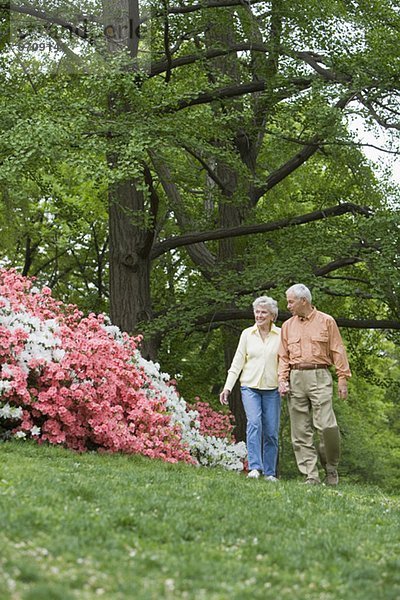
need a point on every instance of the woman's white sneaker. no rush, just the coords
(253, 474)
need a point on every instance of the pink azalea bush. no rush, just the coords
(77, 381)
(213, 422)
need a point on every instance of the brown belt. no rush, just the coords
(305, 367)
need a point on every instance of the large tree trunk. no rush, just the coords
(130, 300)
(130, 243)
(229, 254)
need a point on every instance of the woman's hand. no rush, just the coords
(223, 397)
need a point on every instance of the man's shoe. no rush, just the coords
(311, 481)
(270, 478)
(332, 478)
(253, 474)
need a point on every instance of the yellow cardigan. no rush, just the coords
(255, 360)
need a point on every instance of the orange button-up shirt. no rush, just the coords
(313, 340)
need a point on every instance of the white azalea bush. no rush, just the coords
(209, 450)
(78, 381)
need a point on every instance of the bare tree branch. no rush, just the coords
(52, 19)
(300, 157)
(180, 10)
(199, 253)
(219, 234)
(348, 278)
(350, 143)
(315, 61)
(337, 264)
(163, 65)
(213, 320)
(232, 91)
(210, 171)
(383, 122)
(289, 166)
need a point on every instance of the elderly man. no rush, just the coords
(310, 343)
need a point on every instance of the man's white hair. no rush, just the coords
(299, 290)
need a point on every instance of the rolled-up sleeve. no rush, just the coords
(283, 354)
(338, 352)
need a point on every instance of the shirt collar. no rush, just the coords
(274, 328)
(310, 316)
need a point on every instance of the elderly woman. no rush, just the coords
(256, 361)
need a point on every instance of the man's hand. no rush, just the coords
(223, 397)
(283, 388)
(342, 388)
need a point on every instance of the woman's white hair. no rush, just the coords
(300, 291)
(270, 303)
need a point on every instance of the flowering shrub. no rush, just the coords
(213, 422)
(208, 450)
(77, 381)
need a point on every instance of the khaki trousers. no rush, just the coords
(310, 407)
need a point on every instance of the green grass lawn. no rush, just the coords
(117, 527)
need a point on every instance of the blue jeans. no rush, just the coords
(263, 410)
